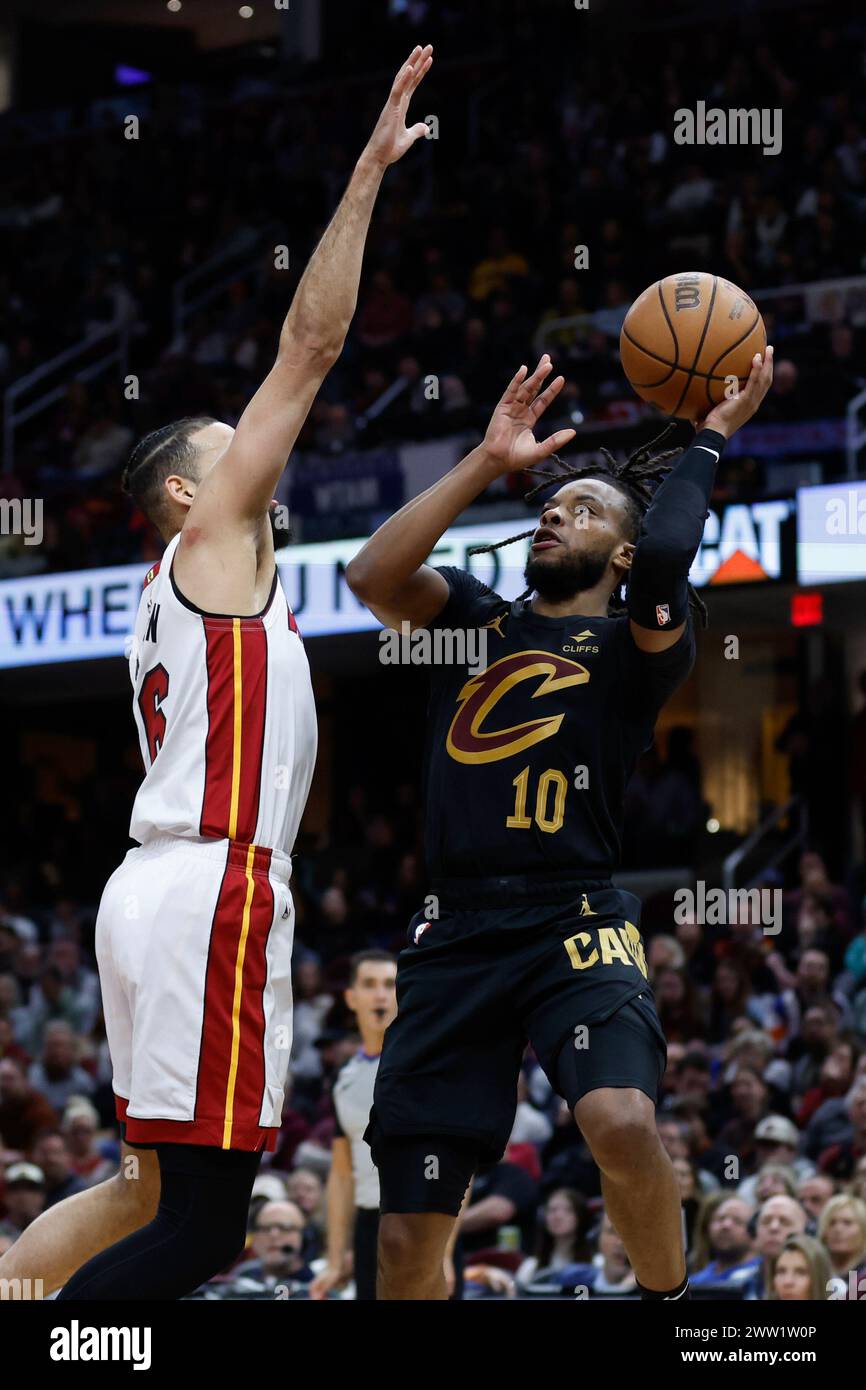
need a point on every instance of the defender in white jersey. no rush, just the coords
(194, 931)
(197, 991)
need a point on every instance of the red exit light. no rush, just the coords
(807, 610)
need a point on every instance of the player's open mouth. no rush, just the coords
(545, 539)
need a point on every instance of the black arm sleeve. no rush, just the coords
(670, 535)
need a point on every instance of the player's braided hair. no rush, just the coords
(636, 477)
(155, 457)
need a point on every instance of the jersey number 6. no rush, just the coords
(154, 689)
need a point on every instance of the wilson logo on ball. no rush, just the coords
(686, 339)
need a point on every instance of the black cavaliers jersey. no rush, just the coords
(528, 760)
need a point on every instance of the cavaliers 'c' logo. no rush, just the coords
(469, 742)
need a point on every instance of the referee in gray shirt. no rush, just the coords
(353, 1183)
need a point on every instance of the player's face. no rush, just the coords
(210, 444)
(581, 539)
(373, 996)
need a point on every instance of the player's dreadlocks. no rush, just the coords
(636, 479)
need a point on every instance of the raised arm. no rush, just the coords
(674, 524)
(389, 574)
(233, 498)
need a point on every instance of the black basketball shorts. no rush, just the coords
(497, 969)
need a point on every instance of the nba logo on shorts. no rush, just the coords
(420, 930)
(663, 614)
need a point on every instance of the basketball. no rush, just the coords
(686, 338)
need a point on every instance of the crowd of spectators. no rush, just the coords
(471, 251)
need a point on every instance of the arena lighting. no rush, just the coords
(807, 610)
(126, 76)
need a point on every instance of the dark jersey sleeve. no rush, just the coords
(649, 679)
(470, 603)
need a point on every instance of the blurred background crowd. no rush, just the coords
(466, 265)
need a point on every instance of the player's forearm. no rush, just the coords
(327, 295)
(671, 533)
(403, 544)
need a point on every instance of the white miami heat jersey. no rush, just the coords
(225, 715)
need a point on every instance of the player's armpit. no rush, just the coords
(417, 601)
(654, 641)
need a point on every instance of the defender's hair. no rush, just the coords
(636, 478)
(156, 457)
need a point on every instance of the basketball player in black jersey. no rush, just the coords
(526, 767)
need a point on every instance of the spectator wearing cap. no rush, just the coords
(777, 1142)
(24, 1195)
(51, 1154)
(731, 1254)
(57, 1073)
(23, 1110)
(778, 1218)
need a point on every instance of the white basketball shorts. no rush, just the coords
(194, 944)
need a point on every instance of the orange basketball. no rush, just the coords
(685, 338)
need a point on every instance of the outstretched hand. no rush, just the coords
(509, 440)
(730, 415)
(392, 137)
